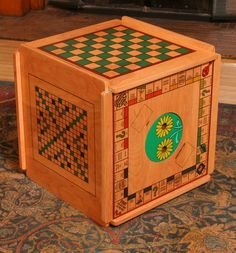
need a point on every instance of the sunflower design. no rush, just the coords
(164, 126)
(164, 149)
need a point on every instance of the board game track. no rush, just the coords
(125, 202)
(116, 51)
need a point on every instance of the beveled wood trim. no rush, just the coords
(214, 113)
(19, 109)
(107, 156)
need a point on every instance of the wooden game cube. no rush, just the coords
(117, 118)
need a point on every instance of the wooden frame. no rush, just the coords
(122, 180)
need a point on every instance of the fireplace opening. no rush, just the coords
(182, 9)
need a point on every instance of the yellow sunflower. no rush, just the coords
(164, 126)
(164, 149)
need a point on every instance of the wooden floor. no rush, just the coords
(227, 84)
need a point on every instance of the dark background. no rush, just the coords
(191, 5)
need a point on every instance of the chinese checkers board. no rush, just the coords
(118, 117)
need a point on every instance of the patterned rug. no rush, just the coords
(33, 220)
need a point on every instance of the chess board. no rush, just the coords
(116, 51)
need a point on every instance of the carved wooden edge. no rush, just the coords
(214, 112)
(107, 156)
(20, 113)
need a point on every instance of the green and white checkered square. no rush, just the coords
(116, 51)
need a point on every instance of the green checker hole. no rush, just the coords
(164, 137)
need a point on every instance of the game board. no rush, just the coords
(62, 133)
(141, 118)
(116, 51)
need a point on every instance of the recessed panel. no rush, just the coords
(63, 133)
(151, 157)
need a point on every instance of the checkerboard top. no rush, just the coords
(116, 51)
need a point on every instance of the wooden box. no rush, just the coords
(117, 118)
